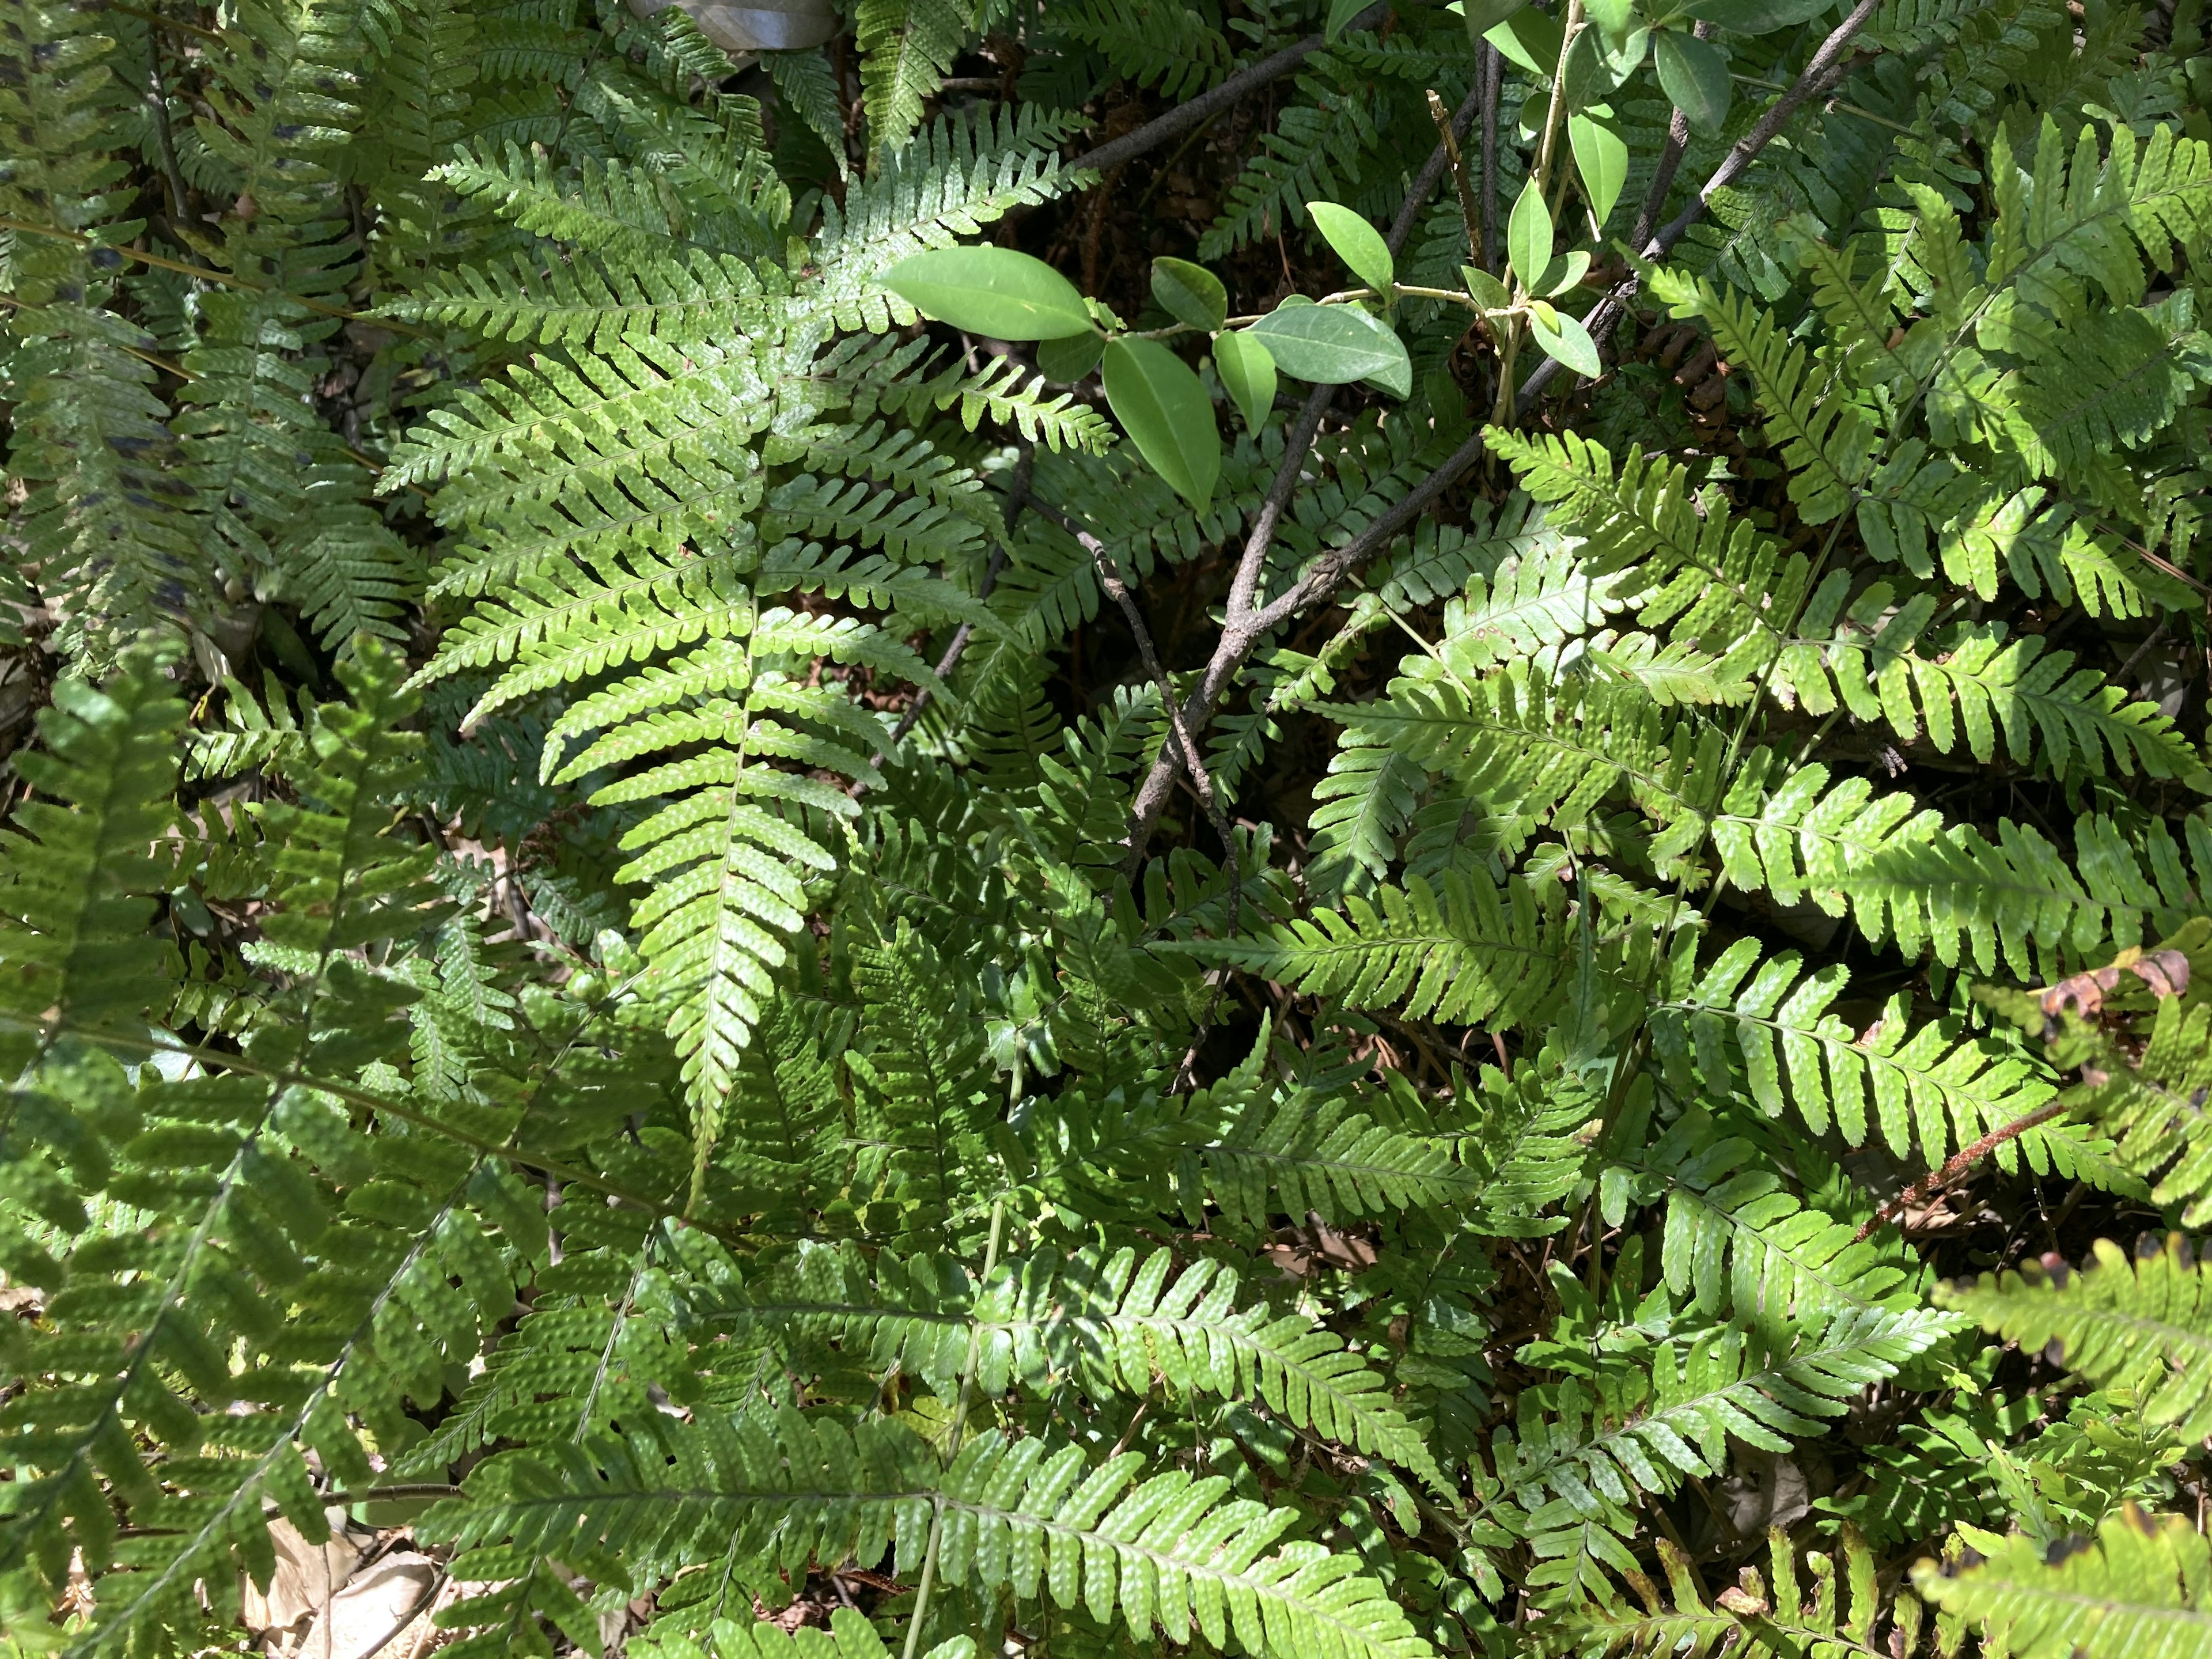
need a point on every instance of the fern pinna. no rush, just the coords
(1096, 828)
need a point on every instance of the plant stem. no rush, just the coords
(1960, 1161)
(953, 1441)
(1184, 116)
(1540, 178)
(1490, 73)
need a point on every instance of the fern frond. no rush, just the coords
(1463, 951)
(1842, 1617)
(2144, 1325)
(1719, 1385)
(753, 1490)
(1926, 1085)
(906, 48)
(2140, 1591)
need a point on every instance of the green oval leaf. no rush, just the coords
(1334, 345)
(992, 291)
(1613, 16)
(1528, 235)
(1164, 410)
(1488, 291)
(1529, 37)
(1600, 163)
(1595, 69)
(1563, 273)
(1071, 357)
(1694, 73)
(1341, 14)
(1190, 294)
(1758, 16)
(1481, 16)
(1362, 250)
(1565, 338)
(1248, 375)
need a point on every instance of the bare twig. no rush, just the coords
(1961, 1161)
(1828, 65)
(1448, 141)
(1110, 576)
(1670, 163)
(1240, 637)
(1186, 115)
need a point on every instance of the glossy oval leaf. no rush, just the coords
(1564, 273)
(1481, 16)
(1758, 16)
(1357, 243)
(1334, 345)
(1613, 16)
(1600, 163)
(1071, 357)
(1487, 290)
(1694, 73)
(1529, 37)
(1190, 294)
(1565, 338)
(1528, 235)
(1163, 408)
(1247, 368)
(991, 291)
(1341, 14)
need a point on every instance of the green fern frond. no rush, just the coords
(1827, 443)
(2145, 1325)
(80, 871)
(1710, 1387)
(906, 48)
(2139, 1590)
(1463, 951)
(1929, 1084)
(1842, 1617)
(753, 1490)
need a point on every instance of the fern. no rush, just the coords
(2133, 1325)
(2138, 1589)
(613, 954)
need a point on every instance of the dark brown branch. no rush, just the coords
(1827, 66)
(1186, 115)
(1961, 1161)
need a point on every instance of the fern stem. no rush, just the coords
(1959, 1163)
(928, 1582)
